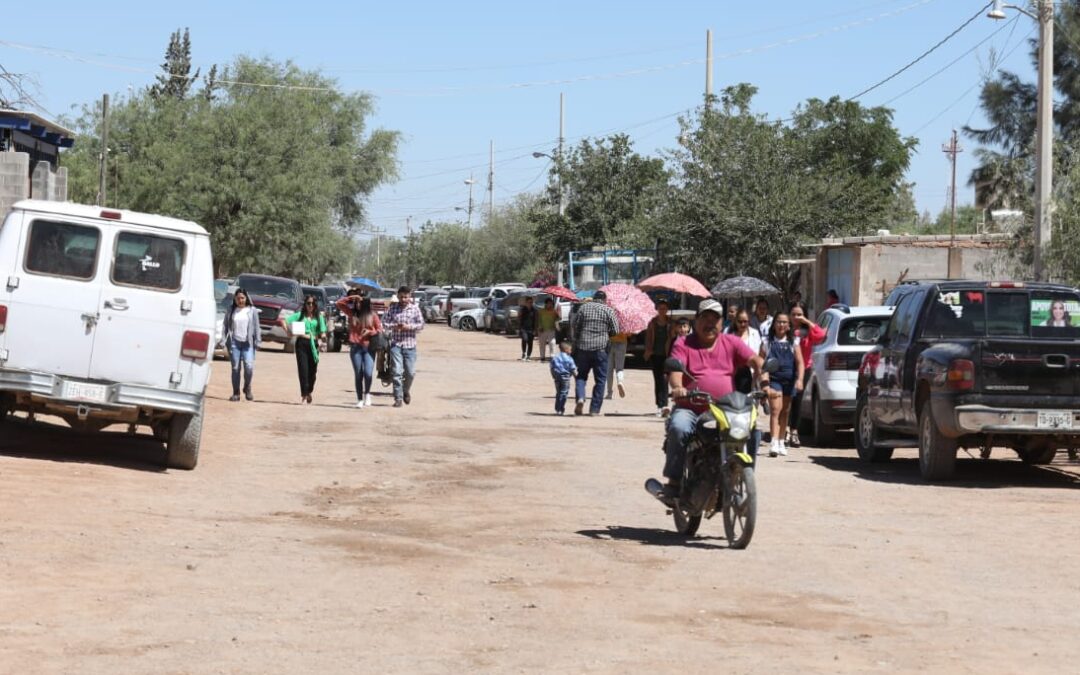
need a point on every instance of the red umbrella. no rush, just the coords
(633, 308)
(561, 292)
(673, 281)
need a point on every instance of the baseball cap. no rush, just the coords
(710, 305)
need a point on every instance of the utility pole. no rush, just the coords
(1044, 133)
(952, 149)
(708, 66)
(491, 182)
(378, 232)
(102, 187)
(408, 225)
(470, 182)
(559, 154)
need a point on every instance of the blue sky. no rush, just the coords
(452, 77)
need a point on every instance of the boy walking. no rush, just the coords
(563, 371)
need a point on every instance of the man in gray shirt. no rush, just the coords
(593, 325)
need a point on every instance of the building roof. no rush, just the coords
(35, 125)
(85, 211)
(993, 240)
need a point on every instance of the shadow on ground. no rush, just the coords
(970, 472)
(648, 536)
(56, 443)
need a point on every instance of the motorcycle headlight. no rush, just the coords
(740, 426)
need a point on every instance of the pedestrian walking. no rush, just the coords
(405, 321)
(744, 379)
(807, 335)
(243, 337)
(527, 327)
(784, 382)
(547, 323)
(617, 347)
(682, 329)
(594, 324)
(307, 344)
(563, 371)
(760, 320)
(656, 344)
(364, 327)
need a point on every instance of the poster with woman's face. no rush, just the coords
(1055, 313)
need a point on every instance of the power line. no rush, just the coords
(922, 56)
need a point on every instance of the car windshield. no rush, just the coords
(479, 292)
(269, 287)
(221, 289)
(860, 331)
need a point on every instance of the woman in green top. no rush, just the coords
(307, 345)
(547, 321)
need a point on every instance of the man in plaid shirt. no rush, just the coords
(593, 325)
(405, 321)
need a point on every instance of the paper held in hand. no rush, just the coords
(298, 328)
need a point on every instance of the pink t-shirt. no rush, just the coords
(711, 370)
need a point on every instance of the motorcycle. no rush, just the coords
(718, 474)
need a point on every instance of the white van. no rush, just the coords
(107, 317)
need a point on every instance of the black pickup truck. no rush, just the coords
(975, 365)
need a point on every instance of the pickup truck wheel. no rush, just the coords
(185, 434)
(1037, 455)
(866, 434)
(937, 453)
(824, 434)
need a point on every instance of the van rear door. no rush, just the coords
(52, 293)
(142, 306)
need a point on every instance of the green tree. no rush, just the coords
(175, 81)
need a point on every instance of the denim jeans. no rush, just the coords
(363, 369)
(680, 427)
(562, 391)
(596, 361)
(244, 351)
(404, 359)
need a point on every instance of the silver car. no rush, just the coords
(829, 401)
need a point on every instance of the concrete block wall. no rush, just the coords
(60, 185)
(14, 179)
(42, 182)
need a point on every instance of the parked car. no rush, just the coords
(380, 300)
(829, 401)
(432, 308)
(491, 311)
(336, 322)
(275, 298)
(467, 319)
(505, 317)
(972, 364)
(107, 317)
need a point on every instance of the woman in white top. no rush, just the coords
(741, 328)
(242, 335)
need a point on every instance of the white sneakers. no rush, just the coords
(367, 400)
(778, 449)
(359, 404)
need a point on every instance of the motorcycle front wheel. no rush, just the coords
(740, 505)
(685, 524)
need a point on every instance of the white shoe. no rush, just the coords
(367, 400)
(359, 404)
(774, 449)
(659, 412)
(781, 449)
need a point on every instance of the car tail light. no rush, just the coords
(961, 374)
(3, 318)
(449, 305)
(843, 361)
(195, 345)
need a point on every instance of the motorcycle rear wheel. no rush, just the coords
(740, 506)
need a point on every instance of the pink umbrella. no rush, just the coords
(673, 281)
(633, 308)
(561, 292)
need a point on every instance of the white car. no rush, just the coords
(829, 401)
(107, 317)
(467, 319)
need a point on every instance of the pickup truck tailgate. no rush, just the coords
(1030, 366)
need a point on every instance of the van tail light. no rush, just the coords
(195, 345)
(961, 375)
(3, 318)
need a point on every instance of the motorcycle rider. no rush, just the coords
(710, 360)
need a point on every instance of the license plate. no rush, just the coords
(1055, 420)
(84, 391)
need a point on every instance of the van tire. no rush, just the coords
(185, 434)
(289, 347)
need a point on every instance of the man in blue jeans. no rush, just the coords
(405, 321)
(593, 325)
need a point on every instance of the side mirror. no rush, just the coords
(672, 365)
(772, 365)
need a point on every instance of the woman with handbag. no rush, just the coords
(365, 331)
(307, 343)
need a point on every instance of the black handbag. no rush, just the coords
(379, 342)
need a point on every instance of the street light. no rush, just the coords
(1044, 124)
(470, 182)
(558, 178)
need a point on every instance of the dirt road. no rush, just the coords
(474, 531)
